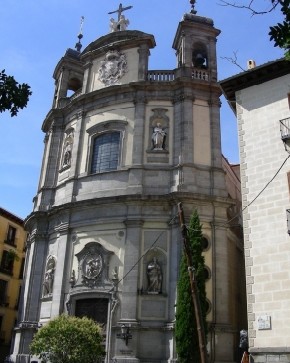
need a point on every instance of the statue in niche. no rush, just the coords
(67, 150)
(49, 277)
(154, 275)
(67, 156)
(158, 137)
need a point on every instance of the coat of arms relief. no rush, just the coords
(112, 68)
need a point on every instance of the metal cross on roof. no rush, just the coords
(120, 10)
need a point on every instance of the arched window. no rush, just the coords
(106, 151)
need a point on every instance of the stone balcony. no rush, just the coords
(156, 76)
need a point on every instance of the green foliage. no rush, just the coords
(13, 96)
(280, 33)
(187, 344)
(12, 255)
(68, 339)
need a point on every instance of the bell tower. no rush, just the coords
(69, 73)
(195, 45)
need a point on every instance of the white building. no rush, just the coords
(120, 154)
(260, 97)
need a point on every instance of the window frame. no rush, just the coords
(4, 262)
(3, 293)
(99, 130)
(11, 230)
(101, 158)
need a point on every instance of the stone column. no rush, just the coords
(143, 62)
(139, 128)
(136, 173)
(61, 275)
(131, 256)
(129, 296)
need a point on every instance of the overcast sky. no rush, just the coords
(36, 34)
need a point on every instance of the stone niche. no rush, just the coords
(158, 144)
(153, 293)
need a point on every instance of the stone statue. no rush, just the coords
(158, 137)
(49, 277)
(154, 275)
(123, 23)
(113, 25)
(67, 149)
(67, 156)
(119, 25)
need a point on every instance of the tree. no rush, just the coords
(187, 344)
(13, 96)
(279, 33)
(68, 339)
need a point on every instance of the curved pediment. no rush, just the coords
(119, 39)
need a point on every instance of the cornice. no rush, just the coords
(252, 77)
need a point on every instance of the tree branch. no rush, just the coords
(234, 60)
(250, 6)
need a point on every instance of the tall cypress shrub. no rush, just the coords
(187, 344)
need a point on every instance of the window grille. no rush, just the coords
(106, 150)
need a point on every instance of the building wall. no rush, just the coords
(127, 217)
(267, 247)
(11, 276)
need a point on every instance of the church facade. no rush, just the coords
(120, 154)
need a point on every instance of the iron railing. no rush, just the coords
(285, 128)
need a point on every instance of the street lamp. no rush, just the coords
(125, 333)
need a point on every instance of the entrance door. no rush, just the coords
(96, 309)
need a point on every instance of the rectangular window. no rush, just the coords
(7, 263)
(11, 234)
(3, 292)
(106, 150)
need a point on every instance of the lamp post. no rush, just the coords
(125, 333)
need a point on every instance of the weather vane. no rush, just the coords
(78, 45)
(120, 10)
(192, 2)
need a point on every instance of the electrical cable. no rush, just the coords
(256, 197)
(222, 225)
(144, 254)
